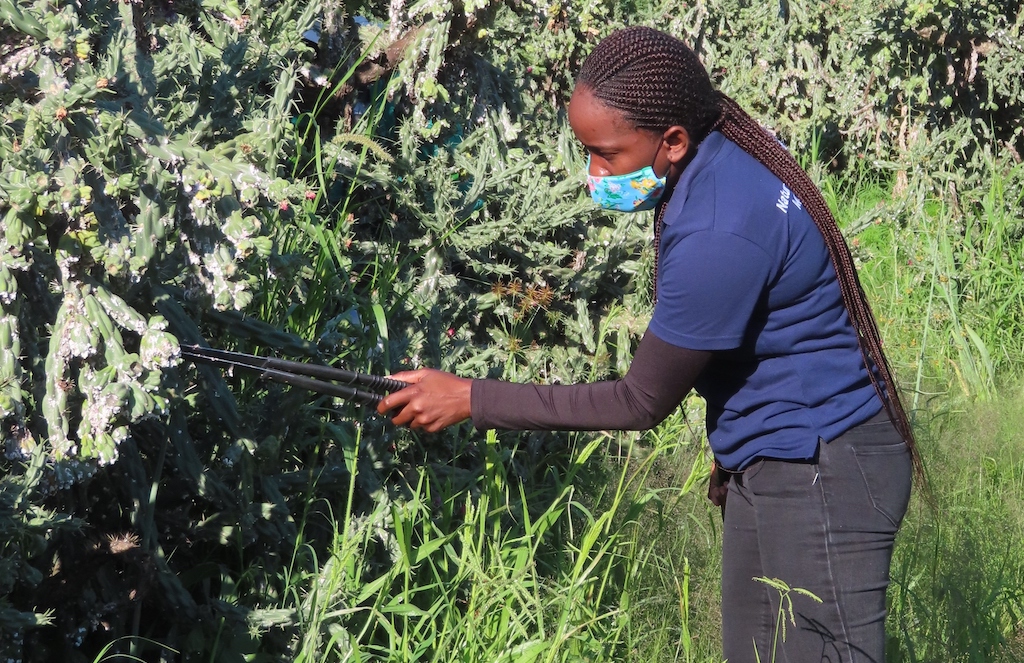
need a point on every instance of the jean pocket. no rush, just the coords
(886, 470)
(752, 470)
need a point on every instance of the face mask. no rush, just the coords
(632, 192)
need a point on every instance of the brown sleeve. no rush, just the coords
(658, 379)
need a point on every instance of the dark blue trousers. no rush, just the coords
(826, 526)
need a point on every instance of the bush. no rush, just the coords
(401, 190)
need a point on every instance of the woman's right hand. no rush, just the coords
(432, 401)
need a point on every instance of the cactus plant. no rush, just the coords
(135, 154)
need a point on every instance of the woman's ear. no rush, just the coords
(677, 141)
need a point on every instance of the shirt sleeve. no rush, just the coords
(709, 284)
(658, 379)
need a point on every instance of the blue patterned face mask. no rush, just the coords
(632, 192)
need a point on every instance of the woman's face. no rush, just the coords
(616, 147)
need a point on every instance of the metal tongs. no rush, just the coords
(314, 377)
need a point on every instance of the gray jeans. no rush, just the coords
(826, 526)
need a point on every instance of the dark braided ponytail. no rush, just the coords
(656, 81)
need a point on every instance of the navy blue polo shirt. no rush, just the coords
(743, 271)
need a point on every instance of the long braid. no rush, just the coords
(656, 81)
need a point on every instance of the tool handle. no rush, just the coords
(269, 369)
(373, 382)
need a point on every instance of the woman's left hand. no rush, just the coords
(432, 401)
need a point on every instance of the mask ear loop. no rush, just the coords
(654, 160)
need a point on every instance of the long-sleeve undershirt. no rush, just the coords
(658, 379)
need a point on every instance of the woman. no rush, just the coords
(759, 308)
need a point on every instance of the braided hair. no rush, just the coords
(656, 82)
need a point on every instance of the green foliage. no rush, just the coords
(958, 575)
(947, 280)
(407, 193)
(166, 174)
(515, 287)
(469, 576)
(135, 152)
(138, 152)
(875, 80)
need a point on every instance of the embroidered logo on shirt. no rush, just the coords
(784, 197)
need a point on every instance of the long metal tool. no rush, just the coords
(314, 377)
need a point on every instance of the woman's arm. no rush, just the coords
(659, 378)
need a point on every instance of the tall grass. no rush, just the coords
(495, 573)
(958, 573)
(944, 271)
